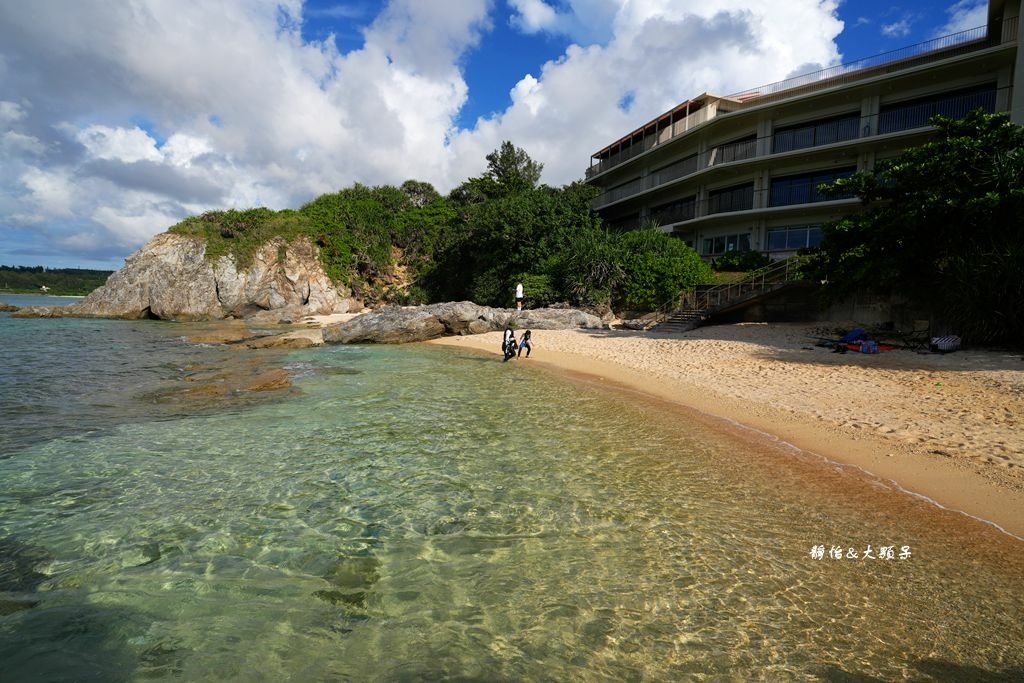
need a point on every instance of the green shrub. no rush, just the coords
(537, 290)
(741, 261)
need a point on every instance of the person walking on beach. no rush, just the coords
(519, 296)
(508, 344)
(526, 343)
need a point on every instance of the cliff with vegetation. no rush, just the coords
(402, 245)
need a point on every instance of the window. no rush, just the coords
(954, 105)
(823, 132)
(715, 246)
(793, 237)
(735, 198)
(803, 188)
(675, 212)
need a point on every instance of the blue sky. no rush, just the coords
(117, 120)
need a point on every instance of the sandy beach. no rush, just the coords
(947, 427)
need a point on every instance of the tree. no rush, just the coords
(943, 225)
(510, 171)
(420, 194)
(656, 268)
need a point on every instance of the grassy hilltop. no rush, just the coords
(409, 244)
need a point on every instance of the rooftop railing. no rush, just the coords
(893, 61)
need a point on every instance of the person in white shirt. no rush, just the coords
(519, 296)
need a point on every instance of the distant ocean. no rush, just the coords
(424, 513)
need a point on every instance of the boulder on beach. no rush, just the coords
(400, 325)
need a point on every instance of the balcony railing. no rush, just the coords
(734, 151)
(894, 61)
(750, 200)
(899, 118)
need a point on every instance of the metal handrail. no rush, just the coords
(786, 270)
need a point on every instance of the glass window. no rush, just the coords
(791, 238)
(782, 141)
(954, 105)
(823, 132)
(814, 237)
(777, 240)
(736, 198)
(803, 189)
(715, 246)
(796, 239)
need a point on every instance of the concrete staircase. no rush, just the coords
(696, 306)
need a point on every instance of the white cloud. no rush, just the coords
(119, 144)
(10, 112)
(533, 16)
(12, 143)
(964, 15)
(897, 29)
(158, 108)
(181, 148)
(131, 226)
(584, 21)
(51, 193)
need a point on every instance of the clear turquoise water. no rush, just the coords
(420, 513)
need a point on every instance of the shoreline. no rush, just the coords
(751, 378)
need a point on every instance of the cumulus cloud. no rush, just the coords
(119, 119)
(120, 144)
(964, 15)
(533, 15)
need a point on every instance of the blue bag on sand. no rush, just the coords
(869, 346)
(854, 335)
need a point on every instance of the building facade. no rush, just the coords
(741, 172)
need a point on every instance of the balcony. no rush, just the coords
(736, 199)
(898, 117)
(666, 128)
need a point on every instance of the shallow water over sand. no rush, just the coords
(421, 513)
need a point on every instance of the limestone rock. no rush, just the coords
(420, 323)
(7, 308)
(171, 279)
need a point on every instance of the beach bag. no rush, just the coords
(868, 346)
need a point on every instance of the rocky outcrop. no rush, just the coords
(7, 308)
(420, 323)
(171, 279)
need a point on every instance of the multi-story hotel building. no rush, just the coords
(741, 172)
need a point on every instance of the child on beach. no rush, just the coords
(525, 344)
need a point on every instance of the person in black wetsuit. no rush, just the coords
(508, 344)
